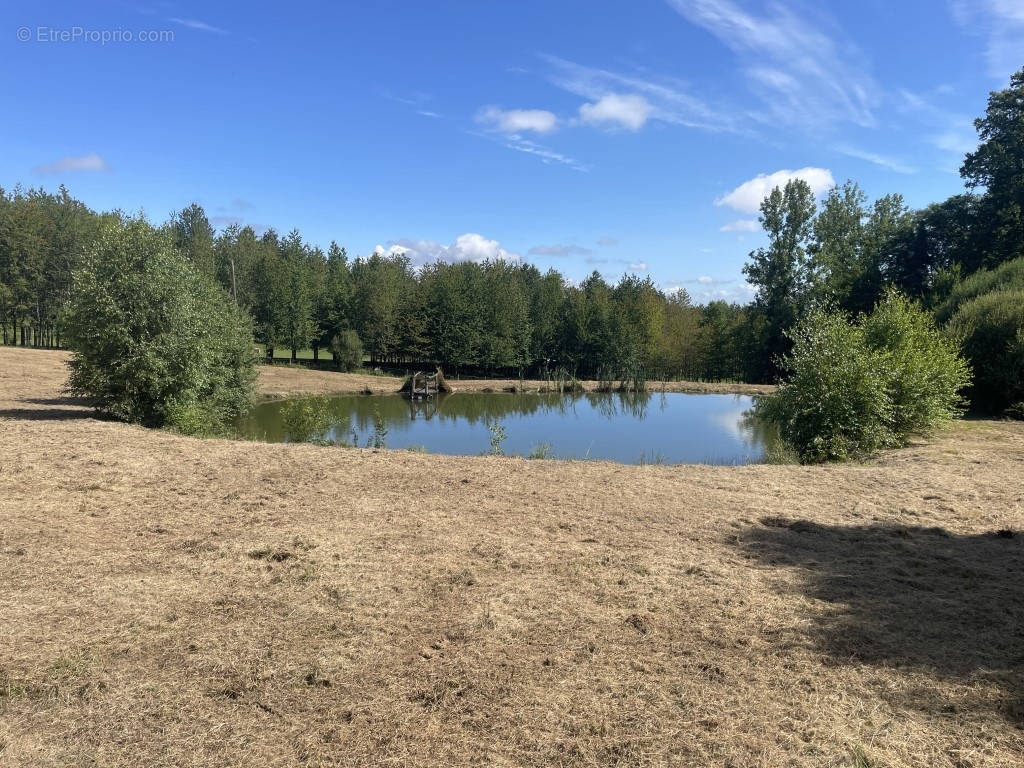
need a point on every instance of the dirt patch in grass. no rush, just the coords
(171, 601)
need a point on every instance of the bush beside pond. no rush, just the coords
(855, 387)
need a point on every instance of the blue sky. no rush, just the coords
(617, 136)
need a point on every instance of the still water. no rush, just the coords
(630, 428)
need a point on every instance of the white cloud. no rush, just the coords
(628, 111)
(668, 99)
(517, 120)
(605, 241)
(801, 74)
(638, 266)
(92, 162)
(466, 247)
(884, 161)
(1001, 22)
(559, 250)
(747, 197)
(741, 225)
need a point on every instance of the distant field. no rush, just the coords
(282, 353)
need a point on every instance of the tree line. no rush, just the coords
(505, 317)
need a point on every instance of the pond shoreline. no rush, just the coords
(278, 382)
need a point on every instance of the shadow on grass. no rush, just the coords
(922, 598)
(58, 409)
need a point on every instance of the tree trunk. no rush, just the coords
(316, 353)
(295, 355)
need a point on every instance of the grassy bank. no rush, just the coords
(170, 601)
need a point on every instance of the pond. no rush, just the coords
(631, 428)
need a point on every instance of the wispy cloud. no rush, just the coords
(517, 120)
(664, 99)
(747, 196)
(519, 143)
(196, 24)
(631, 266)
(802, 74)
(1001, 23)
(606, 241)
(884, 161)
(559, 250)
(958, 139)
(91, 162)
(952, 133)
(741, 225)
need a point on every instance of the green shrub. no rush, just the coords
(1009, 275)
(498, 436)
(541, 451)
(347, 350)
(853, 388)
(380, 431)
(991, 328)
(307, 419)
(195, 419)
(833, 405)
(154, 341)
(923, 368)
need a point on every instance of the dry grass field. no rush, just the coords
(166, 601)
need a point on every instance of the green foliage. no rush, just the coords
(196, 420)
(307, 419)
(780, 272)
(541, 451)
(347, 350)
(854, 388)
(380, 430)
(1008, 276)
(924, 370)
(154, 341)
(833, 403)
(192, 235)
(991, 328)
(780, 452)
(498, 437)
(996, 165)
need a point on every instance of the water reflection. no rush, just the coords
(630, 427)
